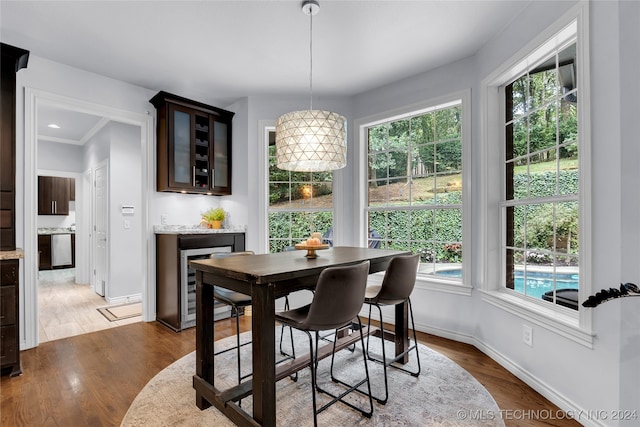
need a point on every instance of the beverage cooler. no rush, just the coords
(176, 280)
(188, 286)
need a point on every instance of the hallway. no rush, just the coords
(68, 309)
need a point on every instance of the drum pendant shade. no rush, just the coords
(311, 140)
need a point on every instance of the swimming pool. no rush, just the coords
(538, 282)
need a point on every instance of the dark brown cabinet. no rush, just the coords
(175, 279)
(44, 252)
(13, 59)
(194, 146)
(72, 190)
(9, 336)
(54, 193)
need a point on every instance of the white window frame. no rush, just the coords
(575, 325)
(424, 281)
(264, 128)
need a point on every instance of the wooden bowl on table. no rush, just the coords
(311, 249)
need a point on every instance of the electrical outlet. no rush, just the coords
(163, 219)
(527, 335)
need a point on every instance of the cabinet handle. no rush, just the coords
(213, 178)
(53, 210)
(55, 203)
(193, 176)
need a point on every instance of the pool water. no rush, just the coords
(537, 282)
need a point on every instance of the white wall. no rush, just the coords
(629, 16)
(125, 247)
(59, 157)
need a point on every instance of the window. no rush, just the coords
(415, 187)
(299, 203)
(541, 179)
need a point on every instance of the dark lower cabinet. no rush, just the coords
(9, 330)
(175, 280)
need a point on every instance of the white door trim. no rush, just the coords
(100, 289)
(32, 99)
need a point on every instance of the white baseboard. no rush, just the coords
(563, 402)
(125, 299)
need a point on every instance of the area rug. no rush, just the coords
(444, 394)
(121, 311)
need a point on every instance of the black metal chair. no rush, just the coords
(338, 298)
(396, 287)
(239, 301)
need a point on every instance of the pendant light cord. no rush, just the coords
(310, 60)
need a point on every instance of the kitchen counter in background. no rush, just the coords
(43, 231)
(194, 229)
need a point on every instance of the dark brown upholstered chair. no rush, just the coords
(337, 300)
(396, 287)
(238, 301)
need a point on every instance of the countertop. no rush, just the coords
(56, 231)
(16, 254)
(193, 229)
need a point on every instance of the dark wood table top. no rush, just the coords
(281, 266)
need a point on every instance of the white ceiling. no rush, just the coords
(225, 50)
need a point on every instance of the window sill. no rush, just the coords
(431, 284)
(556, 319)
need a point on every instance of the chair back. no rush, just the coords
(230, 254)
(338, 297)
(399, 279)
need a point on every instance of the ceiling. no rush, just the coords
(220, 51)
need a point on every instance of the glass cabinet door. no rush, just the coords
(181, 148)
(220, 165)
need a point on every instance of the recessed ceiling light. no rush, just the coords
(53, 126)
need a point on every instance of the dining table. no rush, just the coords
(267, 277)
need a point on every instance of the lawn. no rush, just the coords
(422, 188)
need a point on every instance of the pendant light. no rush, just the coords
(311, 140)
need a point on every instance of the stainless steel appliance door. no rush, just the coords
(188, 285)
(60, 249)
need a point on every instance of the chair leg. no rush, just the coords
(286, 307)
(238, 342)
(351, 387)
(384, 361)
(313, 363)
(415, 339)
(293, 377)
(390, 363)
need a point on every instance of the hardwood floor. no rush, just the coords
(92, 379)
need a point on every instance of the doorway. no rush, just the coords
(34, 99)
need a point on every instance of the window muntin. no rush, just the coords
(299, 203)
(414, 187)
(541, 178)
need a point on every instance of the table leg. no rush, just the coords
(264, 348)
(204, 336)
(402, 330)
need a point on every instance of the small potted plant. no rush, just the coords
(213, 218)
